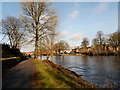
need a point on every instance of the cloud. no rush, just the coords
(63, 34)
(102, 6)
(74, 14)
(76, 36)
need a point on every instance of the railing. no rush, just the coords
(9, 58)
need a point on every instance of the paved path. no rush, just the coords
(20, 76)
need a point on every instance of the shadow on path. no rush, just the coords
(20, 76)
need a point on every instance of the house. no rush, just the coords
(110, 48)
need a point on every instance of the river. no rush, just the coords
(102, 71)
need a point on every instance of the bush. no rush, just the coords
(10, 52)
(103, 53)
(111, 53)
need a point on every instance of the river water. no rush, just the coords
(102, 71)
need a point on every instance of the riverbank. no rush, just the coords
(50, 75)
(70, 54)
(104, 53)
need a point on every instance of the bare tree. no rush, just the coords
(113, 40)
(45, 46)
(47, 42)
(100, 36)
(61, 46)
(95, 43)
(40, 17)
(15, 29)
(85, 43)
(56, 47)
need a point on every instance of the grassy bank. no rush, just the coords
(50, 75)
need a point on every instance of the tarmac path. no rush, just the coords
(20, 76)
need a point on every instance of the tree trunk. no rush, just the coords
(40, 57)
(47, 57)
(52, 48)
(59, 51)
(51, 58)
(36, 42)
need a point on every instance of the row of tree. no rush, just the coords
(102, 42)
(37, 25)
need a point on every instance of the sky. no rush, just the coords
(76, 20)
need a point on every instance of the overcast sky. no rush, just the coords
(76, 19)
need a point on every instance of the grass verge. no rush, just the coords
(50, 75)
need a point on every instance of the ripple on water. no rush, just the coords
(94, 69)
